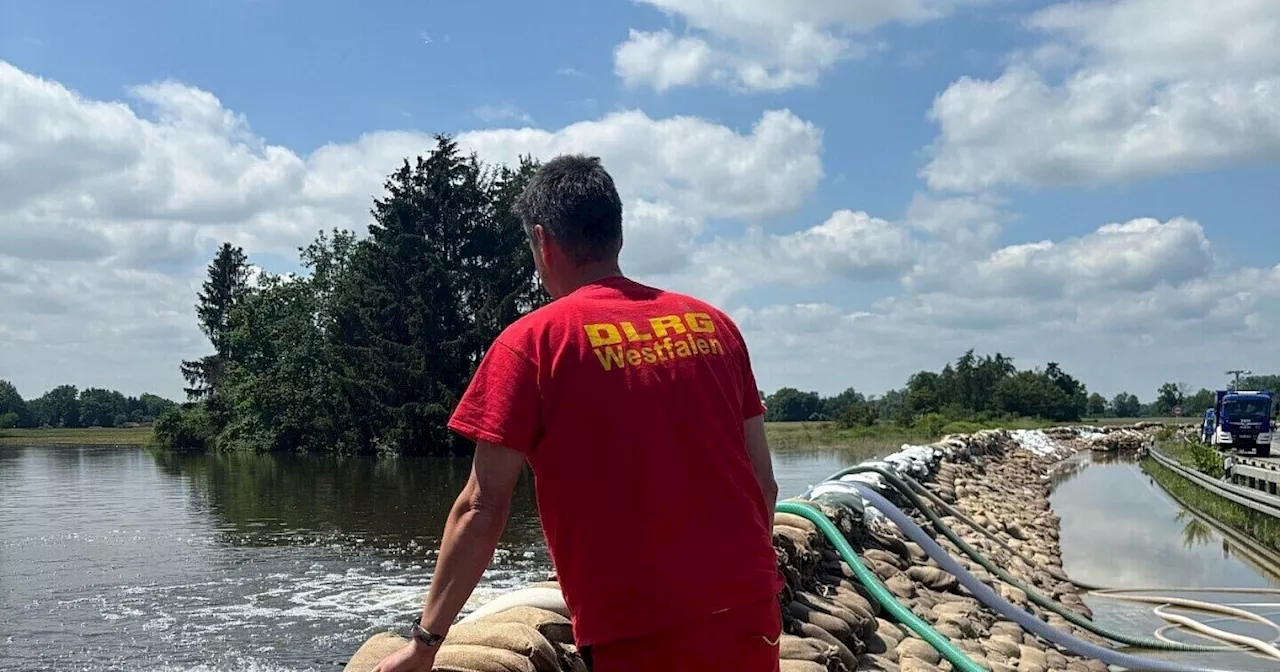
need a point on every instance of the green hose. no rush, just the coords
(1072, 617)
(957, 658)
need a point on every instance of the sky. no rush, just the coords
(868, 187)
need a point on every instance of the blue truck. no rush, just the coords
(1240, 420)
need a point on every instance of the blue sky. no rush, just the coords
(310, 75)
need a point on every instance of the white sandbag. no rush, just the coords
(550, 599)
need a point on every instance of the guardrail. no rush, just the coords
(1253, 499)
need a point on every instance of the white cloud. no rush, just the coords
(761, 45)
(108, 212)
(849, 246)
(1151, 87)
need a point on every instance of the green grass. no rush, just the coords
(99, 436)
(1198, 456)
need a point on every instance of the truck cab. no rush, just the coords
(1243, 421)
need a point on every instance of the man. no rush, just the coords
(639, 415)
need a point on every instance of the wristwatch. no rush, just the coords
(421, 636)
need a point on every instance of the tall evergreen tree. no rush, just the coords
(442, 270)
(227, 284)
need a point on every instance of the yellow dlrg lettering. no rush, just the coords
(700, 323)
(660, 325)
(632, 335)
(602, 334)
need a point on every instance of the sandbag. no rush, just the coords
(793, 520)
(801, 666)
(373, 651)
(831, 624)
(792, 647)
(932, 577)
(862, 623)
(553, 626)
(550, 599)
(472, 658)
(847, 655)
(571, 658)
(514, 637)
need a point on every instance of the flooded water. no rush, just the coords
(1121, 529)
(118, 559)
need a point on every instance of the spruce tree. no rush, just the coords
(227, 283)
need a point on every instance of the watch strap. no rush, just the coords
(423, 637)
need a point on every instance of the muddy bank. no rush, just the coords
(832, 621)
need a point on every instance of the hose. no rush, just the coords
(1070, 616)
(1197, 626)
(957, 658)
(1165, 601)
(993, 601)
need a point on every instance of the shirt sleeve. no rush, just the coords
(751, 402)
(502, 405)
(752, 405)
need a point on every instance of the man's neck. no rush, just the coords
(592, 273)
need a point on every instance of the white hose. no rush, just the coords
(988, 597)
(1197, 626)
(1197, 605)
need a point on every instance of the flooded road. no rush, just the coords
(118, 559)
(1120, 529)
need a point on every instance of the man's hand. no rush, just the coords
(409, 658)
(470, 537)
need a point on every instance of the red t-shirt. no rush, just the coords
(629, 403)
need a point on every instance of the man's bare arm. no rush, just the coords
(471, 533)
(762, 463)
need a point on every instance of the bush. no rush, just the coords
(962, 427)
(189, 429)
(931, 424)
(858, 414)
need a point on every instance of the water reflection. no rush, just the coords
(385, 504)
(1120, 529)
(1197, 533)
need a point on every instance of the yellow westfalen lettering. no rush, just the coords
(673, 337)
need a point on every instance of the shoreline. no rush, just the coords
(118, 437)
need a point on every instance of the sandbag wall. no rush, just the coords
(993, 478)
(831, 623)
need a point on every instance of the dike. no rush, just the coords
(832, 623)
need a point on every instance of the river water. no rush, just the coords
(121, 559)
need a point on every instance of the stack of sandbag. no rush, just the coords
(516, 639)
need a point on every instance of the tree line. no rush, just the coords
(990, 389)
(972, 388)
(66, 406)
(369, 349)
